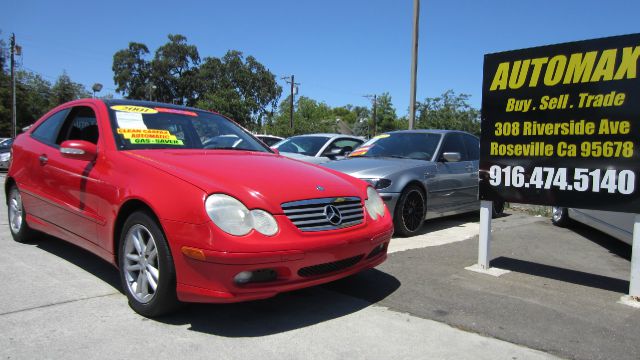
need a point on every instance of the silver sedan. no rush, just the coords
(318, 148)
(420, 174)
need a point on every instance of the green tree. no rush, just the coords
(386, 118)
(65, 90)
(448, 111)
(132, 72)
(174, 71)
(35, 94)
(240, 88)
(309, 117)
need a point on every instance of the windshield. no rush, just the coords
(152, 127)
(305, 145)
(6, 143)
(421, 146)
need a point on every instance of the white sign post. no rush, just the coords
(484, 242)
(633, 299)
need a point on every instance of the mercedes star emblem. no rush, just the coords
(333, 215)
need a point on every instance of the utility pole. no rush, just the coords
(414, 63)
(13, 85)
(291, 80)
(375, 105)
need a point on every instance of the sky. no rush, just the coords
(339, 50)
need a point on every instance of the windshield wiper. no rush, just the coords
(395, 156)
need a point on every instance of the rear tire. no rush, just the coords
(146, 266)
(497, 209)
(560, 216)
(410, 211)
(20, 231)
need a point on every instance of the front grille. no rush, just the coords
(327, 268)
(311, 215)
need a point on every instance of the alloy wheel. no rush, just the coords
(413, 210)
(141, 270)
(15, 211)
(557, 213)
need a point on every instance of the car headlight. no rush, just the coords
(379, 183)
(374, 203)
(234, 218)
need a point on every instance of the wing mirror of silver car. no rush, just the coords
(79, 150)
(451, 156)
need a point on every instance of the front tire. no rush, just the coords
(410, 211)
(147, 271)
(20, 231)
(560, 216)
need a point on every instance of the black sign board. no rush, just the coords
(561, 125)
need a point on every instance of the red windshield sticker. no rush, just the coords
(360, 151)
(176, 111)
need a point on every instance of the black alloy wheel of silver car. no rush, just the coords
(410, 211)
(146, 266)
(560, 216)
(20, 231)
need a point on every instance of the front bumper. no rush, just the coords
(316, 258)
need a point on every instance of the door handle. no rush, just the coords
(43, 159)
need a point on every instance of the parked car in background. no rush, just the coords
(134, 183)
(270, 140)
(318, 148)
(5, 153)
(616, 224)
(420, 174)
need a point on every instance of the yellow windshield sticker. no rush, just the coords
(156, 141)
(149, 136)
(134, 109)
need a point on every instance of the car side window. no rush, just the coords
(473, 147)
(81, 124)
(454, 143)
(47, 132)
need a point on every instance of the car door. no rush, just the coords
(32, 182)
(454, 187)
(472, 145)
(68, 183)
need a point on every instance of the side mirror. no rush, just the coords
(333, 153)
(451, 156)
(275, 151)
(79, 150)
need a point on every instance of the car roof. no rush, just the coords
(329, 135)
(111, 102)
(428, 131)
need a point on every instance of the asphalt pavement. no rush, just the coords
(559, 300)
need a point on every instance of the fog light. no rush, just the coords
(243, 277)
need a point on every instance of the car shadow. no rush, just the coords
(561, 274)
(81, 258)
(613, 245)
(447, 222)
(285, 312)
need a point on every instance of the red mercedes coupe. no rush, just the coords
(184, 213)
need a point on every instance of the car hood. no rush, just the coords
(307, 158)
(364, 168)
(259, 180)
